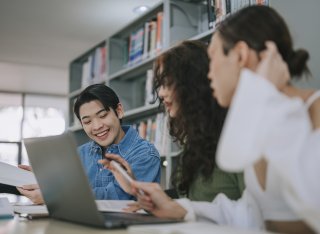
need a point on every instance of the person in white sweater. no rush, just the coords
(271, 130)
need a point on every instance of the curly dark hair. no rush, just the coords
(199, 119)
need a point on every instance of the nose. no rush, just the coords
(210, 75)
(161, 91)
(96, 124)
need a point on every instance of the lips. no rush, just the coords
(212, 86)
(168, 105)
(102, 134)
(213, 91)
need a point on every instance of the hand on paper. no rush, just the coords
(106, 163)
(31, 191)
(25, 167)
(133, 207)
(155, 200)
(272, 67)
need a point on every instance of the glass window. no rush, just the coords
(10, 117)
(9, 153)
(23, 116)
(44, 116)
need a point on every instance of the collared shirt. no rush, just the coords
(141, 155)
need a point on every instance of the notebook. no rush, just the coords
(65, 187)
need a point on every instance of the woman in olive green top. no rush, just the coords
(195, 121)
(231, 184)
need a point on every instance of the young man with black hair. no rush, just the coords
(100, 113)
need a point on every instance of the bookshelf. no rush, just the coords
(124, 62)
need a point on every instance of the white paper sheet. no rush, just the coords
(30, 209)
(114, 205)
(103, 205)
(12, 175)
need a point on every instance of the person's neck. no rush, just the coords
(120, 136)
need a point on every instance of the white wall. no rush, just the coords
(303, 18)
(34, 79)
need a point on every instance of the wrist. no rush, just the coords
(188, 214)
(177, 210)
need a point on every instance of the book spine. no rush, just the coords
(153, 37)
(146, 40)
(211, 13)
(159, 31)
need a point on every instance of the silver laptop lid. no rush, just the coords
(62, 179)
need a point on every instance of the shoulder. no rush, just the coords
(225, 177)
(84, 148)
(142, 150)
(85, 145)
(314, 112)
(143, 146)
(133, 146)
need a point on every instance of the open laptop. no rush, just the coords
(65, 187)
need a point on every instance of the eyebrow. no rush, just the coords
(87, 116)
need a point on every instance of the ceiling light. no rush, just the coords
(140, 9)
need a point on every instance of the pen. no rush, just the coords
(33, 216)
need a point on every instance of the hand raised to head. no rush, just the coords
(272, 67)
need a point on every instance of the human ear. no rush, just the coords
(120, 111)
(243, 51)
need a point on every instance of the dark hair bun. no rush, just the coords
(298, 62)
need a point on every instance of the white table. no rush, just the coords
(19, 225)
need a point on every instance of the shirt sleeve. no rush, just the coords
(146, 165)
(263, 122)
(243, 213)
(302, 189)
(256, 115)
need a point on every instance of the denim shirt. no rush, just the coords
(141, 155)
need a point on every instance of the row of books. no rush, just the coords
(146, 41)
(95, 67)
(219, 9)
(156, 131)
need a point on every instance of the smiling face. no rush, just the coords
(101, 125)
(167, 94)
